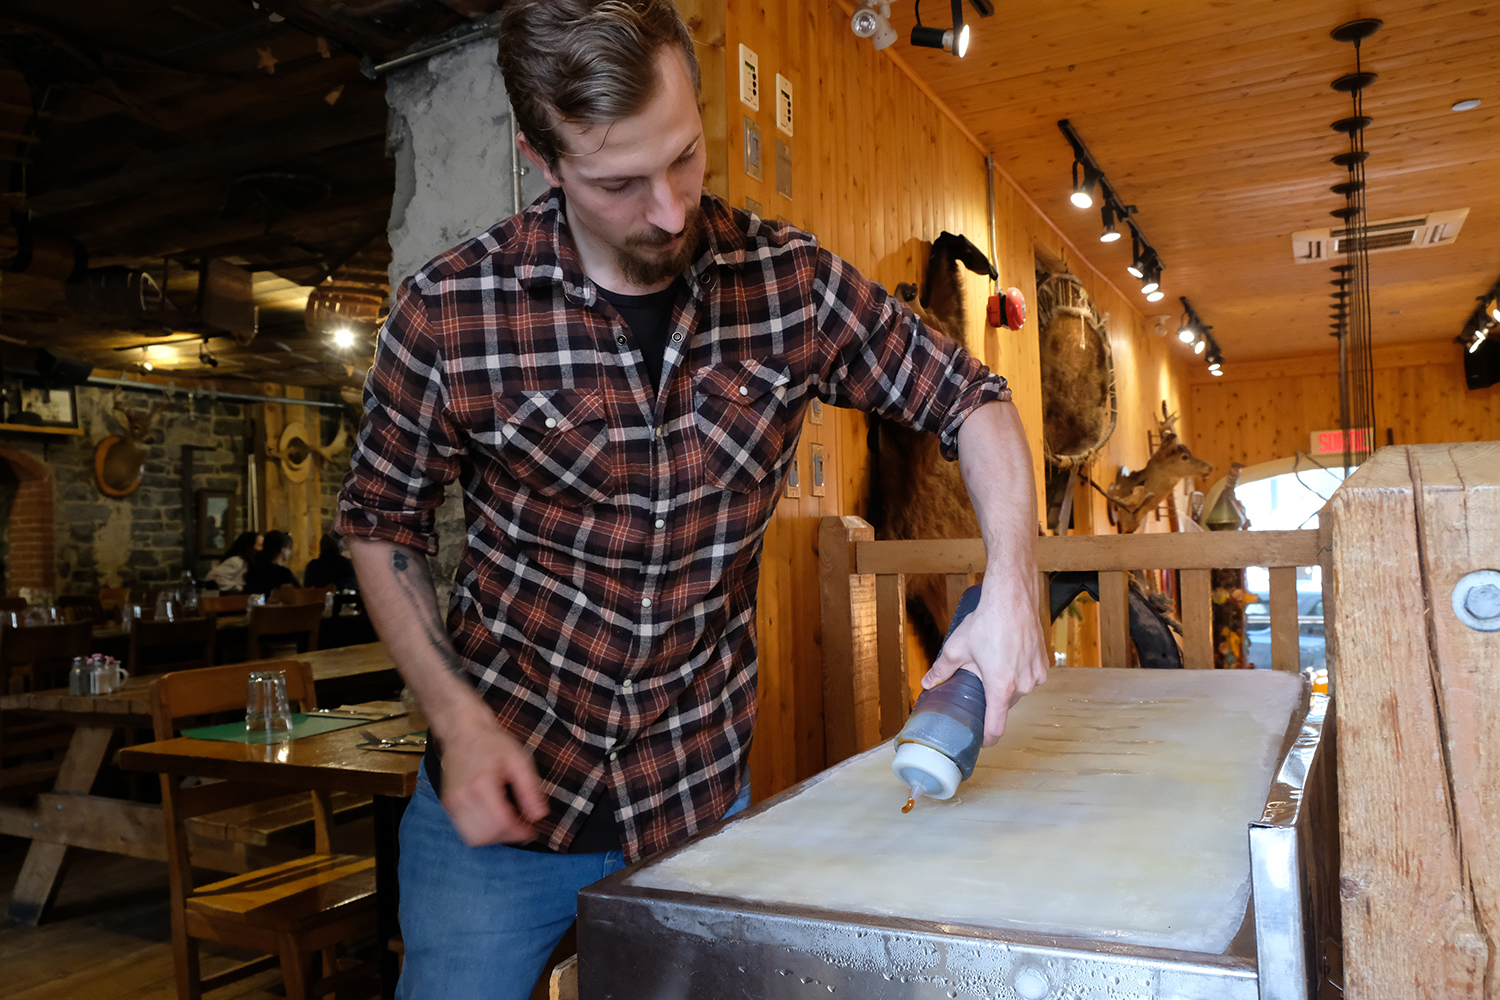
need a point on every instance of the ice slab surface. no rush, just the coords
(1114, 808)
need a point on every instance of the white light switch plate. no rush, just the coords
(749, 78)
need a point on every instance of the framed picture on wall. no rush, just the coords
(43, 407)
(216, 529)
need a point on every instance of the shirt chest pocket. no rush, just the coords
(556, 443)
(739, 412)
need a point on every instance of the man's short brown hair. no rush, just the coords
(586, 62)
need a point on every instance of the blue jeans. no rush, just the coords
(481, 921)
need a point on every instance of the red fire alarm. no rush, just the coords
(1007, 309)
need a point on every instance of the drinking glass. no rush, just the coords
(267, 714)
(255, 601)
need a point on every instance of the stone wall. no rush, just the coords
(450, 136)
(136, 541)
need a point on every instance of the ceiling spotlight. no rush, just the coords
(1083, 188)
(1216, 372)
(1110, 233)
(955, 40)
(1199, 346)
(1156, 296)
(1479, 336)
(147, 366)
(1135, 269)
(1187, 334)
(1151, 280)
(875, 25)
(1495, 310)
(343, 337)
(1467, 105)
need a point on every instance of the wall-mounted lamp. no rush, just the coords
(343, 337)
(874, 24)
(1144, 264)
(1196, 332)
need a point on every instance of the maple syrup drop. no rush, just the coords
(910, 803)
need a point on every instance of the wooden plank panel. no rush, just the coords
(1409, 923)
(1114, 619)
(1458, 515)
(1285, 652)
(895, 690)
(1185, 550)
(1197, 620)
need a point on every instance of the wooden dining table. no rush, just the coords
(329, 762)
(69, 816)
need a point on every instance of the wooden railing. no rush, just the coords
(865, 688)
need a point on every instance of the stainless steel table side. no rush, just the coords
(638, 943)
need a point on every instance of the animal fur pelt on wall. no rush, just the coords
(1079, 407)
(915, 492)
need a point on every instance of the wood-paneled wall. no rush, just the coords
(879, 169)
(1265, 410)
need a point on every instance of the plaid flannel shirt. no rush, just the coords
(605, 601)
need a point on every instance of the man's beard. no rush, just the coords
(642, 264)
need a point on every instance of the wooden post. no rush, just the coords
(1418, 740)
(1286, 654)
(1114, 619)
(1197, 619)
(895, 687)
(851, 670)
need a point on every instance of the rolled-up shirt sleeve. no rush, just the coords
(878, 357)
(406, 450)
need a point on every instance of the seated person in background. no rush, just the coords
(331, 567)
(268, 569)
(229, 575)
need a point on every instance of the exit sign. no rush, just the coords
(1333, 442)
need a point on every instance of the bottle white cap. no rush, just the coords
(918, 766)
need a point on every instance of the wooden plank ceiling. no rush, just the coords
(159, 135)
(1213, 119)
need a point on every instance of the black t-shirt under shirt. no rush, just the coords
(650, 320)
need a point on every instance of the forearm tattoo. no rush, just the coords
(418, 591)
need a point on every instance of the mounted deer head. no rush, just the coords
(1138, 493)
(118, 461)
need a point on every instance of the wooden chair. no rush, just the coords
(39, 656)
(224, 604)
(290, 911)
(282, 626)
(287, 594)
(81, 608)
(112, 599)
(157, 647)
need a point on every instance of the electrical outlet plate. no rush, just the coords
(815, 459)
(793, 489)
(752, 148)
(815, 412)
(749, 78)
(783, 105)
(783, 169)
(754, 207)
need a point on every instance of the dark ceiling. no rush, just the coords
(155, 137)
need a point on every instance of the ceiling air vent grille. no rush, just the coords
(1433, 230)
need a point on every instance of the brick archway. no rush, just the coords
(32, 558)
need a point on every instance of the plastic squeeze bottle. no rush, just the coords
(940, 742)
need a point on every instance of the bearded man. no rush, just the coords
(618, 377)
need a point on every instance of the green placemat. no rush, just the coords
(302, 725)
